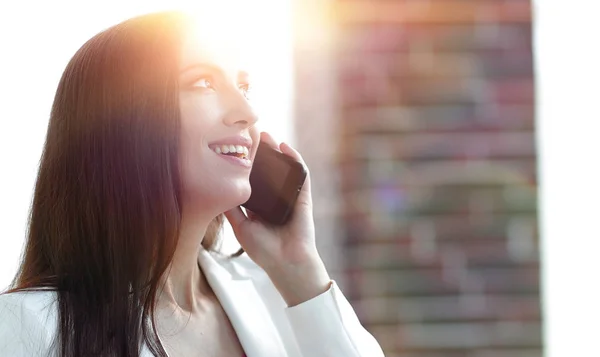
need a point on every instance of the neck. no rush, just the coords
(185, 286)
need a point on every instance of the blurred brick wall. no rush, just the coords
(435, 171)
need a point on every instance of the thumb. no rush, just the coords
(236, 218)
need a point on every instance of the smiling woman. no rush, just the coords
(134, 180)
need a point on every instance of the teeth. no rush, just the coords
(226, 149)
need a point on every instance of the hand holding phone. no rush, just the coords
(276, 180)
(273, 236)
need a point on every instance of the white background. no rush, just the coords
(38, 38)
(568, 75)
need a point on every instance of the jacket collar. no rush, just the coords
(237, 293)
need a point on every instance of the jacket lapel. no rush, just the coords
(242, 303)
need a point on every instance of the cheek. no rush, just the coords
(197, 122)
(197, 116)
(208, 182)
(200, 110)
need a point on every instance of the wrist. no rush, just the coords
(298, 283)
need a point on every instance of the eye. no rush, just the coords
(245, 89)
(204, 83)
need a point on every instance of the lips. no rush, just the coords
(238, 146)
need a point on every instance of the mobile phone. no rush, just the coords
(276, 180)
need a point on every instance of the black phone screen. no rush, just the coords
(276, 180)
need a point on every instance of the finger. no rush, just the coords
(252, 216)
(268, 139)
(290, 151)
(236, 218)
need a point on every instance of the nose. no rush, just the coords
(239, 112)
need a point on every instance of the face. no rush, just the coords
(218, 136)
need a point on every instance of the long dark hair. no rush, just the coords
(106, 210)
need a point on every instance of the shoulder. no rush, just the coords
(28, 322)
(40, 304)
(34, 300)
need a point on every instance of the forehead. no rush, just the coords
(204, 43)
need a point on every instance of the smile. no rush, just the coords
(239, 151)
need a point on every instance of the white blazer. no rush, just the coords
(324, 326)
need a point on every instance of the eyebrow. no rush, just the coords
(241, 74)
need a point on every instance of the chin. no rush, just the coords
(232, 196)
(244, 195)
(217, 196)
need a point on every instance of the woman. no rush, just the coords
(120, 258)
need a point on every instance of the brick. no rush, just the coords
(398, 252)
(491, 247)
(402, 38)
(451, 279)
(378, 283)
(508, 91)
(361, 88)
(431, 353)
(435, 91)
(386, 335)
(471, 335)
(515, 280)
(456, 308)
(482, 227)
(433, 11)
(377, 310)
(439, 118)
(437, 172)
(507, 352)
(420, 186)
(504, 64)
(470, 172)
(472, 352)
(390, 310)
(395, 198)
(426, 146)
(452, 172)
(373, 38)
(473, 200)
